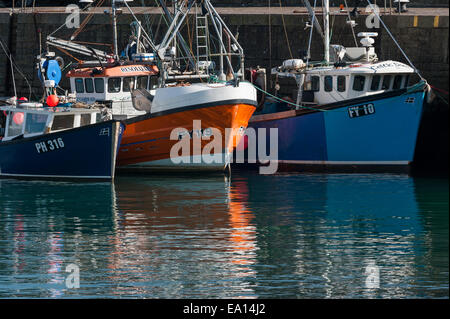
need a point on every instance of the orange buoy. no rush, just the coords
(18, 118)
(52, 100)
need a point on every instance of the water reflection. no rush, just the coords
(284, 236)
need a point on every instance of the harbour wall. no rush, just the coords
(267, 40)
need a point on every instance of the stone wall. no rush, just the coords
(238, 3)
(263, 3)
(5, 38)
(423, 39)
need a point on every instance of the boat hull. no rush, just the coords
(88, 153)
(147, 143)
(336, 138)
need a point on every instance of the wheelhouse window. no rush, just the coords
(328, 83)
(114, 85)
(341, 83)
(79, 85)
(128, 84)
(406, 83)
(35, 123)
(386, 82)
(141, 82)
(397, 82)
(99, 85)
(315, 83)
(2, 123)
(85, 119)
(153, 82)
(375, 85)
(15, 125)
(359, 82)
(89, 84)
(61, 122)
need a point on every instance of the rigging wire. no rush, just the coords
(64, 24)
(395, 41)
(310, 34)
(351, 25)
(14, 65)
(285, 32)
(86, 21)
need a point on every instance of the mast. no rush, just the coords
(326, 21)
(114, 18)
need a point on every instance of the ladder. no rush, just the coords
(202, 41)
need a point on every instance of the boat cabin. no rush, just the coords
(21, 123)
(112, 86)
(330, 85)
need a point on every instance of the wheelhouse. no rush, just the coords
(17, 123)
(325, 85)
(111, 83)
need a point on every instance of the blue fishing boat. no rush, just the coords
(57, 143)
(351, 111)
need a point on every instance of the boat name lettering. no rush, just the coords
(135, 69)
(50, 145)
(361, 110)
(387, 65)
(207, 132)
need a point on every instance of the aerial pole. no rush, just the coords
(114, 18)
(326, 40)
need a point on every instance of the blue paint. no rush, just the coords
(387, 135)
(85, 153)
(52, 71)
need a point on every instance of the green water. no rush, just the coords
(249, 236)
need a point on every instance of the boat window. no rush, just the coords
(376, 79)
(89, 84)
(85, 119)
(99, 85)
(79, 86)
(397, 82)
(315, 83)
(114, 85)
(341, 83)
(386, 82)
(142, 82)
(153, 82)
(15, 124)
(35, 123)
(328, 83)
(406, 83)
(61, 122)
(2, 123)
(358, 83)
(128, 84)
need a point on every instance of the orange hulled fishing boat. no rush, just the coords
(180, 113)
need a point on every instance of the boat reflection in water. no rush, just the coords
(184, 236)
(282, 236)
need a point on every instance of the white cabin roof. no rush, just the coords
(385, 67)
